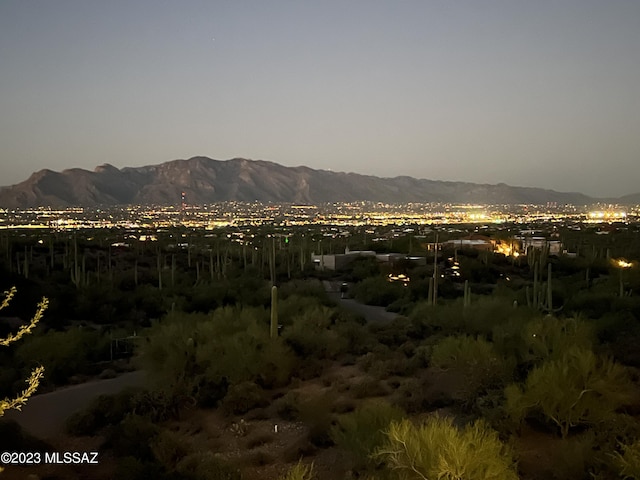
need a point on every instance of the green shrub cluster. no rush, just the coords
(232, 345)
(361, 432)
(577, 389)
(474, 361)
(244, 397)
(64, 354)
(437, 449)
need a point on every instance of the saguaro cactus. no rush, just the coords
(274, 312)
(434, 286)
(467, 294)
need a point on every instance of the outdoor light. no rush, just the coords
(621, 264)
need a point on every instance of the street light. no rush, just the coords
(622, 265)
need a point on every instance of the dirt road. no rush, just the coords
(44, 415)
(371, 313)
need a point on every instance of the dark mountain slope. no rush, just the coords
(206, 181)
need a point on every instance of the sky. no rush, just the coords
(539, 93)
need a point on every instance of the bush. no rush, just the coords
(288, 406)
(132, 437)
(169, 448)
(299, 471)
(310, 288)
(362, 431)
(550, 337)
(161, 405)
(394, 333)
(628, 462)
(205, 466)
(200, 354)
(103, 411)
(414, 397)
(311, 336)
(244, 397)
(316, 414)
(64, 354)
(482, 318)
(474, 361)
(577, 389)
(369, 388)
(437, 449)
(378, 291)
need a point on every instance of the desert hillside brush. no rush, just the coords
(577, 389)
(438, 450)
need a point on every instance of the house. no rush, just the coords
(341, 260)
(475, 241)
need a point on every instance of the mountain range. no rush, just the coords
(205, 180)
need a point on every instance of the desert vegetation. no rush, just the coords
(531, 360)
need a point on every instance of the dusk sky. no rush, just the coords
(536, 93)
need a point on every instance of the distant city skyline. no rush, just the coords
(541, 94)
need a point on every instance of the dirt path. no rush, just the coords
(44, 415)
(371, 313)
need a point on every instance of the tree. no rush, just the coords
(36, 375)
(579, 388)
(439, 450)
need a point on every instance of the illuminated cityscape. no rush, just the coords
(240, 214)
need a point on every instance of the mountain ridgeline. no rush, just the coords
(207, 181)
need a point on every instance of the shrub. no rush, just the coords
(474, 361)
(169, 448)
(453, 318)
(310, 288)
(104, 410)
(358, 340)
(161, 404)
(311, 336)
(288, 406)
(576, 389)
(393, 333)
(195, 353)
(550, 337)
(628, 462)
(64, 354)
(362, 431)
(244, 397)
(299, 471)
(437, 449)
(208, 391)
(132, 437)
(206, 466)
(429, 320)
(378, 291)
(369, 388)
(316, 414)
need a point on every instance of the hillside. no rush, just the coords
(207, 181)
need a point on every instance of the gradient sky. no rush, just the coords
(536, 93)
